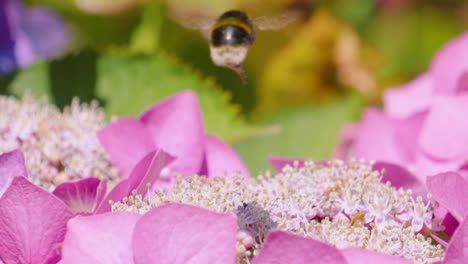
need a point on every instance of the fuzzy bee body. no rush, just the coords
(231, 37)
(233, 33)
(233, 28)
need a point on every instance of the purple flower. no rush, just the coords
(422, 126)
(27, 35)
(174, 125)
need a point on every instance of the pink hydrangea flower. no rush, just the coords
(82, 196)
(421, 127)
(33, 224)
(11, 165)
(174, 125)
(397, 175)
(450, 190)
(143, 176)
(89, 195)
(172, 233)
(178, 233)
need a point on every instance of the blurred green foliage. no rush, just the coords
(304, 82)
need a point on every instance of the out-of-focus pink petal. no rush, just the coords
(176, 126)
(406, 135)
(279, 163)
(185, 234)
(449, 67)
(401, 178)
(146, 172)
(450, 223)
(11, 165)
(104, 238)
(127, 141)
(464, 166)
(33, 224)
(450, 189)
(345, 141)
(375, 140)
(358, 256)
(463, 174)
(282, 247)
(410, 98)
(426, 166)
(446, 129)
(221, 159)
(457, 251)
(81, 196)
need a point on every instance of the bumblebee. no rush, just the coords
(232, 34)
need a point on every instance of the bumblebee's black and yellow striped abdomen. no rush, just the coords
(233, 28)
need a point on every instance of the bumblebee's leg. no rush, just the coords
(239, 69)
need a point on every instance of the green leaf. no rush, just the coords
(127, 84)
(131, 83)
(34, 80)
(59, 80)
(309, 132)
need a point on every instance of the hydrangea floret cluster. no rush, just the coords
(344, 204)
(420, 126)
(58, 146)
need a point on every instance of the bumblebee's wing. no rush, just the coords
(276, 22)
(202, 24)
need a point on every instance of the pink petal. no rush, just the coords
(406, 135)
(221, 159)
(376, 139)
(464, 166)
(450, 66)
(127, 141)
(401, 178)
(427, 166)
(450, 223)
(282, 247)
(279, 163)
(82, 196)
(446, 129)
(176, 126)
(33, 224)
(11, 165)
(178, 233)
(104, 238)
(346, 139)
(410, 98)
(117, 193)
(450, 189)
(358, 256)
(457, 251)
(146, 172)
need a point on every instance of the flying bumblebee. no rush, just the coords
(232, 34)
